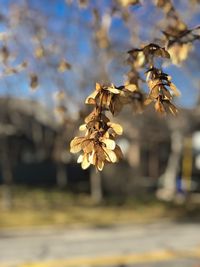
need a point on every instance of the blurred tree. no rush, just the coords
(59, 50)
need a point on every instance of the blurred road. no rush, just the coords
(140, 245)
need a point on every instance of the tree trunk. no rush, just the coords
(7, 181)
(168, 179)
(153, 164)
(96, 186)
(61, 175)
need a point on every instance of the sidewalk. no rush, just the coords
(93, 247)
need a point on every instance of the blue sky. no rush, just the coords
(69, 27)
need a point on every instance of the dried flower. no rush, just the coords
(98, 145)
(126, 3)
(63, 66)
(161, 89)
(34, 81)
(4, 54)
(179, 52)
(102, 95)
(140, 57)
(39, 52)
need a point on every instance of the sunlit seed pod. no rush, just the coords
(173, 109)
(10, 71)
(110, 144)
(110, 155)
(109, 98)
(159, 107)
(39, 52)
(175, 90)
(113, 90)
(91, 157)
(118, 152)
(59, 95)
(116, 127)
(126, 3)
(166, 93)
(140, 59)
(89, 147)
(106, 135)
(85, 163)
(83, 127)
(131, 87)
(24, 64)
(4, 53)
(91, 98)
(100, 165)
(83, 3)
(76, 148)
(80, 159)
(34, 82)
(63, 66)
(76, 144)
(97, 86)
(4, 36)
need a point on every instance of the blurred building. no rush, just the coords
(146, 147)
(33, 145)
(159, 152)
(33, 151)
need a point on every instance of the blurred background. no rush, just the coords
(143, 211)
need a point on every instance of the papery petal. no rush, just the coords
(116, 105)
(90, 99)
(154, 93)
(106, 135)
(175, 89)
(159, 107)
(118, 152)
(76, 144)
(166, 93)
(116, 127)
(110, 155)
(80, 159)
(109, 97)
(131, 87)
(100, 165)
(103, 99)
(85, 163)
(110, 144)
(76, 140)
(98, 87)
(75, 149)
(173, 109)
(83, 127)
(148, 101)
(89, 148)
(87, 145)
(113, 90)
(91, 158)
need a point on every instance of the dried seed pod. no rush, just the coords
(63, 66)
(98, 145)
(34, 82)
(5, 54)
(39, 52)
(160, 85)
